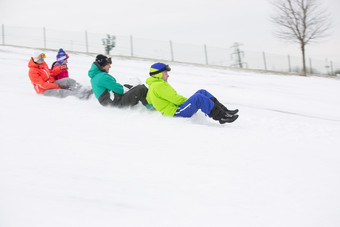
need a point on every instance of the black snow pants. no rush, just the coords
(130, 98)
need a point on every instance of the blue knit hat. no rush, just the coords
(157, 69)
(61, 56)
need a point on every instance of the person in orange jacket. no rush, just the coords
(44, 83)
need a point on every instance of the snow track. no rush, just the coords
(70, 163)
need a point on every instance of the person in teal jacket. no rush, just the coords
(111, 93)
(165, 99)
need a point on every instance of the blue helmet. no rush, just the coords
(157, 69)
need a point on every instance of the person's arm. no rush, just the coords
(58, 69)
(37, 80)
(111, 84)
(62, 74)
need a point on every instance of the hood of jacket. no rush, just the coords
(95, 70)
(150, 80)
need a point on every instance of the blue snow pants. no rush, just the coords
(199, 100)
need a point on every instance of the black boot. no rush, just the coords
(228, 118)
(218, 114)
(233, 112)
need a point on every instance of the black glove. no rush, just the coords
(128, 86)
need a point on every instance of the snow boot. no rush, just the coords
(228, 118)
(217, 114)
(232, 112)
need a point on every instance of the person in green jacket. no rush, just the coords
(165, 99)
(111, 93)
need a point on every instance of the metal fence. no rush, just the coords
(88, 42)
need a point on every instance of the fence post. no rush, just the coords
(289, 65)
(332, 72)
(86, 42)
(171, 51)
(3, 34)
(131, 43)
(264, 60)
(206, 54)
(44, 29)
(310, 66)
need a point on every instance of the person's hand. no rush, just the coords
(63, 67)
(128, 86)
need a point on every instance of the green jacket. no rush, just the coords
(101, 81)
(163, 97)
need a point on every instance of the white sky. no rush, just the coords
(217, 23)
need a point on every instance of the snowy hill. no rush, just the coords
(72, 163)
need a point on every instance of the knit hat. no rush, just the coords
(103, 60)
(61, 56)
(38, 54)
(157, 69)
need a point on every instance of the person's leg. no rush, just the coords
(133, 96)
(214, 99)
(205, 93)
(201, 101)
(63, 93)
(78, 90)
(193, 104)
(233, 112)
(67, 83)
(59, 93)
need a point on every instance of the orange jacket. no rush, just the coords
(42, 77)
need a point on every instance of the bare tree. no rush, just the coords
(300, 21)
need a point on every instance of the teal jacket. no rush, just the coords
(101, 81)
(163, 97)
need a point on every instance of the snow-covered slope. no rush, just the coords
(72, 163)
